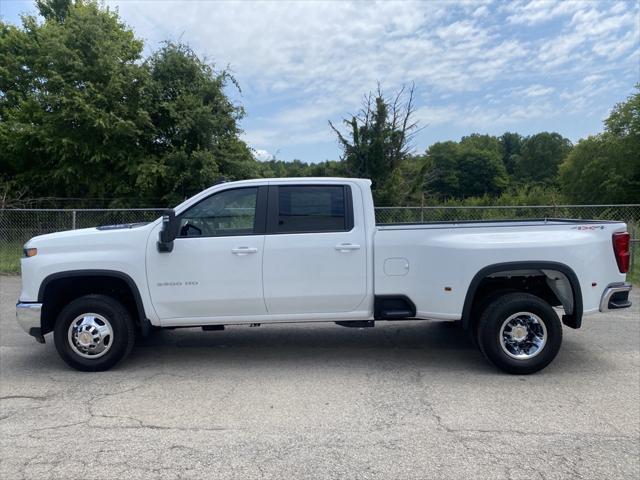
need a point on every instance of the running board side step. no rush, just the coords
(357, 323)
(395, 314)
(393, 307)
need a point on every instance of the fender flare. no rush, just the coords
(98, 273)
(573, 320)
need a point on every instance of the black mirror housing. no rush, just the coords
(169, 231)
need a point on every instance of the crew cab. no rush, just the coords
(309, 250)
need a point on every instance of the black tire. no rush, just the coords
(490, 324)
(478, 309)
(121, 341)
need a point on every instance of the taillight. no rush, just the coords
(621, 250)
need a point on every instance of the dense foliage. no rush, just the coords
(85, 115)
(605, 168)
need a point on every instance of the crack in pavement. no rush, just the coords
(26, 397)
(89, 404)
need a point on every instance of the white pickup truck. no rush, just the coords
(309, 250)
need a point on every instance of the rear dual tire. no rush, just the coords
(519, 333)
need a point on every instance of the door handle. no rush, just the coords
(347, 247)
(244, 250)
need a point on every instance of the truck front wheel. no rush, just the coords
(519, 333)
(93, 333)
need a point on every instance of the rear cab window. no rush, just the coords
(310, 209)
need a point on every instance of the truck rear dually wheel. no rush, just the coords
(519, 333)
(93, 333)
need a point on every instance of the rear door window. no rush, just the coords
(311, 208)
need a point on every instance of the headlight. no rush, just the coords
(30, 252)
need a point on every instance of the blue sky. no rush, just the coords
(478, 66)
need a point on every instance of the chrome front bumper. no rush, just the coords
(615, 296)
(28, 316)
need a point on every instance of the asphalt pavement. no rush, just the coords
(402, 400)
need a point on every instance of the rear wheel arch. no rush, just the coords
(472, 300)
(59, 289)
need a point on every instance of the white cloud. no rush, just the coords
(613, 48)
(537, 91)
(432, 116)
(504, 118)
(262, 155)
(481, 11)
(540, 11)
(474, 63)
(277, 137)
(313, 47)
(595, 28)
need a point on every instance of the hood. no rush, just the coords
(88, 236)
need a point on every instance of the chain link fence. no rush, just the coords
(627, 213)
(19, 225)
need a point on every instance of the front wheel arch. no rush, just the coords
(59, 289)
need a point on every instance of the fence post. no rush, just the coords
(422, 209)
(73, 220)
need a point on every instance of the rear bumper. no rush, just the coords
(615, 296)
(28, 316)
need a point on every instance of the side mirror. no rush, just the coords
(169, 231)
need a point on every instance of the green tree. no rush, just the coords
(83, 115)
(378, 140)
(540, 157)
(605, 168)
(417, 175)
(442, 158)
(194, 138)
(466, 169)
(70, 102)
(328, 168)
(510, 143)
(298, 168)
(624, 120)
(482, 142)
(481, 172)
(54, 9)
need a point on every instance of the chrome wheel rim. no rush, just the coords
(523, 335)
(90, 335)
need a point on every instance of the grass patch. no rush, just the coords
(634, 273)
(10, 254)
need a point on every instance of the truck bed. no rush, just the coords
(435, 263)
